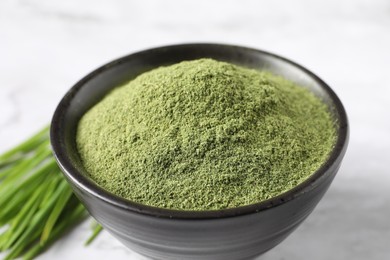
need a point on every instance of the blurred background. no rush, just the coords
(46, 46)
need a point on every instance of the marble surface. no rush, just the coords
(47, 45)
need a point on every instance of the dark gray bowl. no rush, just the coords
(238, 233)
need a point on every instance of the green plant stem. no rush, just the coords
(37, 204)
(60, 204)
(27, 145)
(22, 219)
(96, 232)
(78, 215)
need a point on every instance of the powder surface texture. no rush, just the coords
(204, 135)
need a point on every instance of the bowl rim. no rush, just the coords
(85, 184)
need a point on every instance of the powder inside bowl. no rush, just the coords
(204, 135)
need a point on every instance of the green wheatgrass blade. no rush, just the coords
(20, 152)
(55, 196)
(13, 206)
(51, 221)
(45, 189)
(12, 196)
(42, 153)
(50, 190)
(22, 219)
(7, 171)
(28, 145)
(16, 231)
(53, 173)
(30, 235)
(46, 208)
(74, 218)
(8, 163)
(36, 225)
(18, 249)
(96, 232)
(30, 175)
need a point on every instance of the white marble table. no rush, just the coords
(47, 45)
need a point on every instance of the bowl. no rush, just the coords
(158, 233)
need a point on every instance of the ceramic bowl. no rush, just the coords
(237, 233)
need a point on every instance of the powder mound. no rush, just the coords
(204, 135)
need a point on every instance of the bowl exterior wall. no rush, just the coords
(240, 237)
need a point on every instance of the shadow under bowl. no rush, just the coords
(237, 233)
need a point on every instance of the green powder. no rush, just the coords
(204, 135)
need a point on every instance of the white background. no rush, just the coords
(46, 46)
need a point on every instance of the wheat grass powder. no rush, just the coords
(204, 135)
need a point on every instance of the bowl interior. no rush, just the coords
(91, 89)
